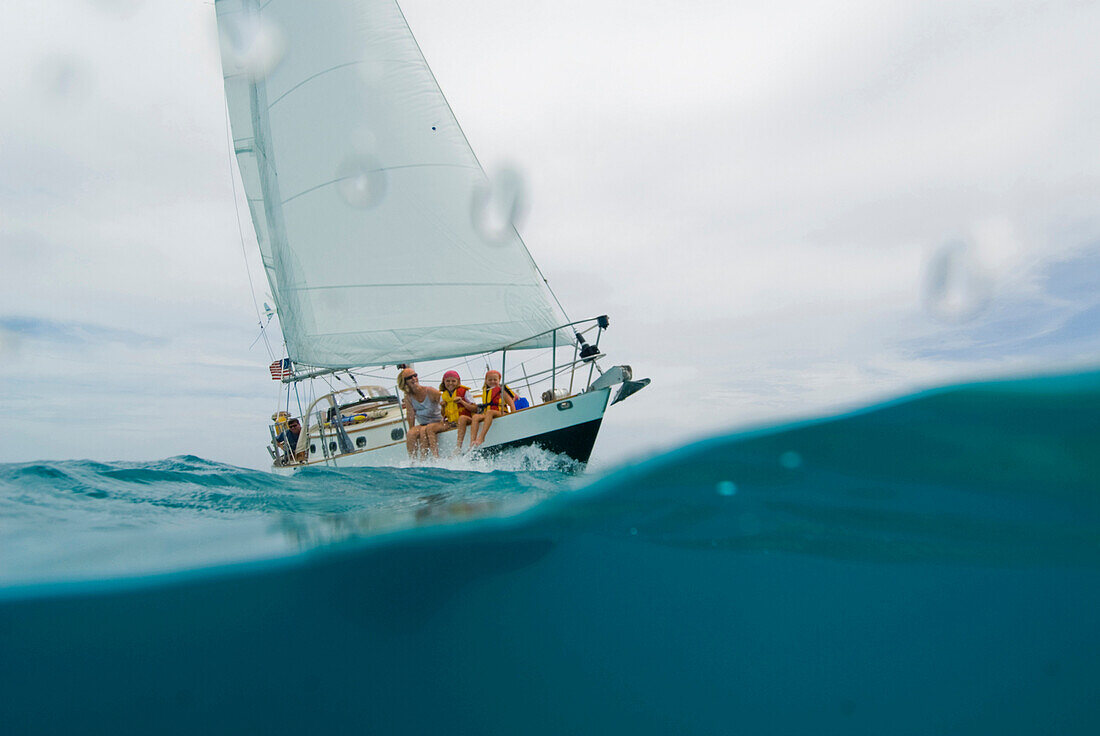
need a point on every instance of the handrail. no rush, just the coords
(535, 377)
(327, 371)
(600, 324)
(551, 330)
(553, 371)
(363, 400)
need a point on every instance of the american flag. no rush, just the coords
(280, 369)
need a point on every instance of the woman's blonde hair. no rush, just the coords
(402, 376)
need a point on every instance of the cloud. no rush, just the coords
(754, 193)
(1055, 320)
(73, 333)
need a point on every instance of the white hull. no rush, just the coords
(567, 426)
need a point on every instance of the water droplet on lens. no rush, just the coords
(361, 181)
(119, 8)
(956, 288)
(65, 80)
(726, 488)
(790, 460)
(251, 44)
(496, 209)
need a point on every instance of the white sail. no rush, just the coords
(364, 191)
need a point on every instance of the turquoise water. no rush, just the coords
(929, 566)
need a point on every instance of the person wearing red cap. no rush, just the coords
(496, 400)
(457, 409)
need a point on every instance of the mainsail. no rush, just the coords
(364, 191)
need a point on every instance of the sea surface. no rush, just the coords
(926, 566)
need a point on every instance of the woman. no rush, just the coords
(496, 400)
(457, 409)
(424, 414)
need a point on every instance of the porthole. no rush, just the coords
(397, 434)
(360, 442)
(332, 447)
(313, 449)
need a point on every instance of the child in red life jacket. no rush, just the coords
(496, 400)
(457, 409)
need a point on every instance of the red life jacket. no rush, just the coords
(491, 399)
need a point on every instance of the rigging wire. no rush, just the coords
(354, 383)
(240, 233)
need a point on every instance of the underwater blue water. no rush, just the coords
(927, 566)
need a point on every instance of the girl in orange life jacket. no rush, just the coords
(497, 401)
(457, 409)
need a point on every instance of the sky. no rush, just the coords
(787, 209)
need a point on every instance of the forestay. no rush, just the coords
(364, 191)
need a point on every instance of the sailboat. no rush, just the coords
(370, 211)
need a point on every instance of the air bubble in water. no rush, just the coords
(361, 181)
(726, 488)
(956, 288)
(497, 208)
(790, 460)
(251, 44)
